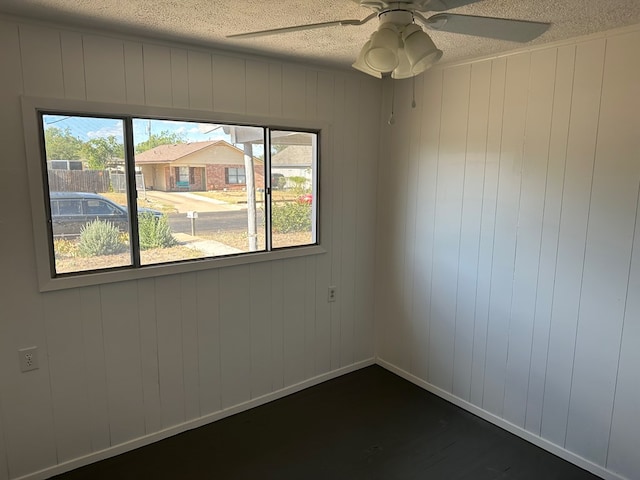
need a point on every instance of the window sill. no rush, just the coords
(111, 276)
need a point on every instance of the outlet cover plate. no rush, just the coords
(28, 359)
(332, 293)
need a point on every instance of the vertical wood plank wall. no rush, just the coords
(510, 279)
(125, 360)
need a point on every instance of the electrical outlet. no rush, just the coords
(331, 294)
(28, 359)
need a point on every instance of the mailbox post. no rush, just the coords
(193, 215)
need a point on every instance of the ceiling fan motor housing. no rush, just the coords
(397, 17)
(416, 5)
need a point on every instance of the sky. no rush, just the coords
(90, 127)
(87, 128)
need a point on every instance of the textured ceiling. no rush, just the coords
(207, 22)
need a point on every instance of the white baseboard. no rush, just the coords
(191, 424)
(502, 423)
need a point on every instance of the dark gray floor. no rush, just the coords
(370, 424)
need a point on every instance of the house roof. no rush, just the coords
(294, 156)
(171, 153)
(176, 151)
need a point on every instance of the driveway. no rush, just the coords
(188, 202)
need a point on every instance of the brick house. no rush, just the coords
(197, 166)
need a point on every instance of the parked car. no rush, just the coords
(71, 211)
(306, 198)
(278, 181)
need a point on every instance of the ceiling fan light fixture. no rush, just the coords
(382, 54)
(399, 39)
(361, 65)
(403, 70)
(420, 49)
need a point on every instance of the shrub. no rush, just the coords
(64, 248)
(154, 232)
(100, 238)
(298, 184)
(291, 217)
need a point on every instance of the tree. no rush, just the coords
(165, 137)
(103, 152)
(275, 148)
(61, 145)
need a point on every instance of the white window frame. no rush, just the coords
(31, 106)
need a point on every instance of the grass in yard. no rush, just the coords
(121, 199)
(68, 260)
(238, 196)
(233, 197)
(238, 239)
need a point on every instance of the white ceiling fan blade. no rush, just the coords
(490, 27)
(298, 28)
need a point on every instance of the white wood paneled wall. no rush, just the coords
(508, 243)
(122, 361)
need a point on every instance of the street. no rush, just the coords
(211, 222)
(213, 216)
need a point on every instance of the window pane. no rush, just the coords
(236, 176)
(89, 219)
(196, 175)
(294, 191)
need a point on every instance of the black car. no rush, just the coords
(278, 181)
(71, 211)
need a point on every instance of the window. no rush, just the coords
(65, 165)
(234, 176)
(183, 177)
(153, 193)
(69, 207)
(99, 207)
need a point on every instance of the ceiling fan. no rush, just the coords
(400, 48)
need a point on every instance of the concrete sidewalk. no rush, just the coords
(209, 248)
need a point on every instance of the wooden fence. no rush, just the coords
(119, 182)
(97, 181)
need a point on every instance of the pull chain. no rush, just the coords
(393, 96)
(413, 101)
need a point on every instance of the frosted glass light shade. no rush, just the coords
(382, 55)
(420, 49)
(403, 70)
(361, 65)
